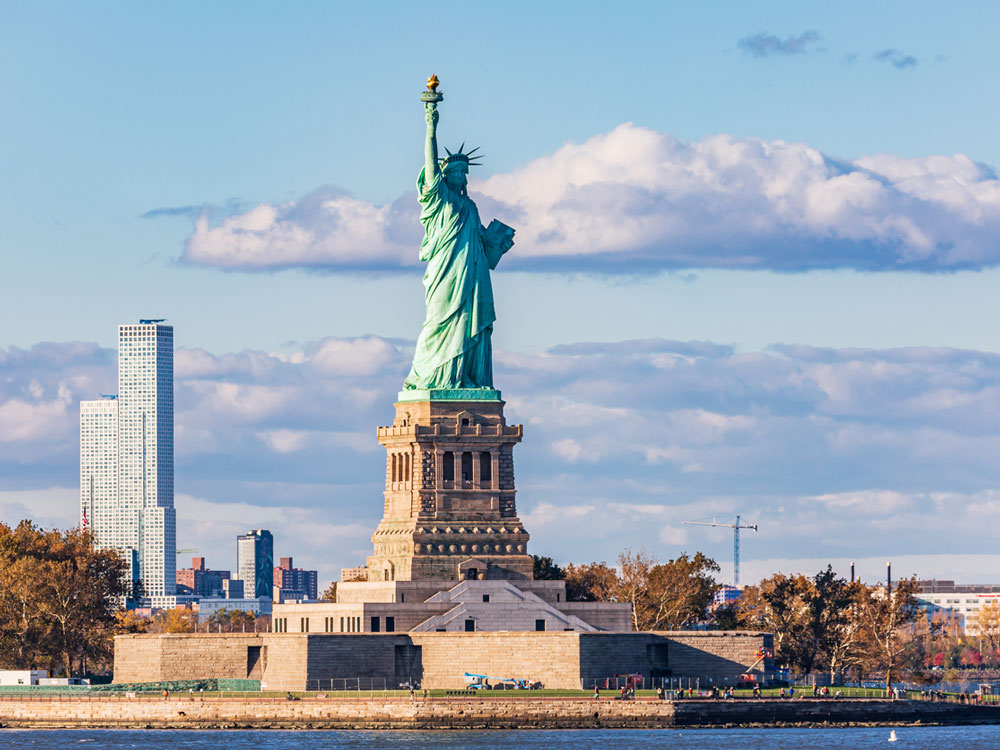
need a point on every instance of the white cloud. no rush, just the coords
(24, 420)
(867, 502)
(50, 507)
(284, 441)
(635, 198)
(363, 356)
(673, 536)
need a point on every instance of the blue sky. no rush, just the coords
(807, 191)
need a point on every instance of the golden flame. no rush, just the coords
(433, 82)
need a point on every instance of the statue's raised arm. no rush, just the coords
(430, 145)
(431, 167)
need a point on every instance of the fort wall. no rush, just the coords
(481, 712)
(564, 660)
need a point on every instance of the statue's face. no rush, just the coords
(457, 175)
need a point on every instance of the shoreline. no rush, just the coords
(465, 714)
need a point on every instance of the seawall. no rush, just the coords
(471, 713)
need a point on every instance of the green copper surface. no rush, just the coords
(454, 350)
(449, 394)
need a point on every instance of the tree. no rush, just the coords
(674, 594)
(231, 621)
(178, 620)
(780, 605)
(884, 618)
(59, 597)
(828, 625)
(842, 646)
(987, 623)
(127, 621)
(726, 617)
(679, 592)
(546, 570)
(595, 582)
(633, 586)
(330, 595)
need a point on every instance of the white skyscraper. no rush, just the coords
(127, 459)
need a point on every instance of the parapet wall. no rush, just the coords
(564, 660)
(187, 656)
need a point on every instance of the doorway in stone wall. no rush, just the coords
(256, 662)
(409, 664)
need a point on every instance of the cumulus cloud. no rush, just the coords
(763, 44)
(895, 58)
(830, 451)
(636, 199)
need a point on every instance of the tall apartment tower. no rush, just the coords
(127, 458)
(255, 563)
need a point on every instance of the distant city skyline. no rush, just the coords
(782, 304)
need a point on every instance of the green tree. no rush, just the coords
(546, 570)
(726, 617)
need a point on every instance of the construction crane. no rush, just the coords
(182, 551)
(736, 541)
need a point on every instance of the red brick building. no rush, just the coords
(199, 580)
(295, 583)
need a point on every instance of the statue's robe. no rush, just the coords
(454, 349)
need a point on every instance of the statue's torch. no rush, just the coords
(432, 94)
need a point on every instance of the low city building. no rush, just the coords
(156, 603)
(233, 589)
(199, 580)
(960, 602)
(725, 595)
(208, 606)
(11, 677)
(358, 573)
(295, 583)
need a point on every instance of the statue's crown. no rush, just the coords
(466, 157)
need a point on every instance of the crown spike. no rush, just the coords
(461, 156)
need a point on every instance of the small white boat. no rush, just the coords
(892, 735)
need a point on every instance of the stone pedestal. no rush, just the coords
(449, 513)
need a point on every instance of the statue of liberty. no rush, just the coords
(454, 350)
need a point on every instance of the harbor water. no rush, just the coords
(909, 738)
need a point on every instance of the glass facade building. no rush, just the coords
(127, 459)
(255, 563)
